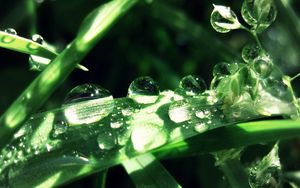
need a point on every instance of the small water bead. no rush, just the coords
(250, 52)
(192, 85)
(201, 127)
(37, 63)
(9, 39)
(37, 38)
(263, 66)
(10, 31)
(87, 103)
(143, 90)
(106, 140)
(200, 114)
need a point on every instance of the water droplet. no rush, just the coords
(37, 63)
(263, 66)
(143, 90)
(201, 127)
(59, 128)
(221, 69)
(37, 38)
(87, 103)
(10, 31)
(147, 136)
(250, 52)
(192, 85)
(200, 114)
(259, 14)
(8, 38)
(116, 124)
(179, 112)
(106, 140)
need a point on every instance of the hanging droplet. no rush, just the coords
(87, 103)
(106, 140)
(143, 90)
(223, 19)
(263, 66)
(37, 38)
(259, 14)
(9, 39)
(37, 63)
(192, 85)
(250, 52)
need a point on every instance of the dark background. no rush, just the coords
(166, 40)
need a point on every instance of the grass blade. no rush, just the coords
(44, 85)
(146, 171)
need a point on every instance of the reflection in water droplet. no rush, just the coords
(200, 114)
(250, 52)
(143, 90)
(106, 141)
(88, 103)
(192, 85)
(37, 38)
(263, 66)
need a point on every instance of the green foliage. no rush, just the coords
(92, 131)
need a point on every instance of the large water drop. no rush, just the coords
(87, 103)
(143, 90)
(106, 140)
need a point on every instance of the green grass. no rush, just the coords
(240, 119)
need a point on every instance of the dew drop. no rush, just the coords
(106, 140)
(9, 39)
(201, 127)
(221, 69)
(179, 112)
(263, 66)
(59, 128)
(10, 31)
(200, 114)
(147, 136)
(37, 38)
(37, 63)
(250, 52)
(192, 85)
(87, 103)
(143, 90)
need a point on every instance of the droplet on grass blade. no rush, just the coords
(143, 90)
(37, 38)
(87, 103)
(106, 140)
(9, 39)
(192, 85)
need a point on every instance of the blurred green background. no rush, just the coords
(165, 40)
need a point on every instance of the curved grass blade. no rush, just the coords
(44, 85)
(24, 45)
(146, 171)
(233, 136)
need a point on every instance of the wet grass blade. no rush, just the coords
(146, 171)
(92, 30)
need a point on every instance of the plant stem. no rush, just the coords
(31, 10)
(54, 75)
(235, 174)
